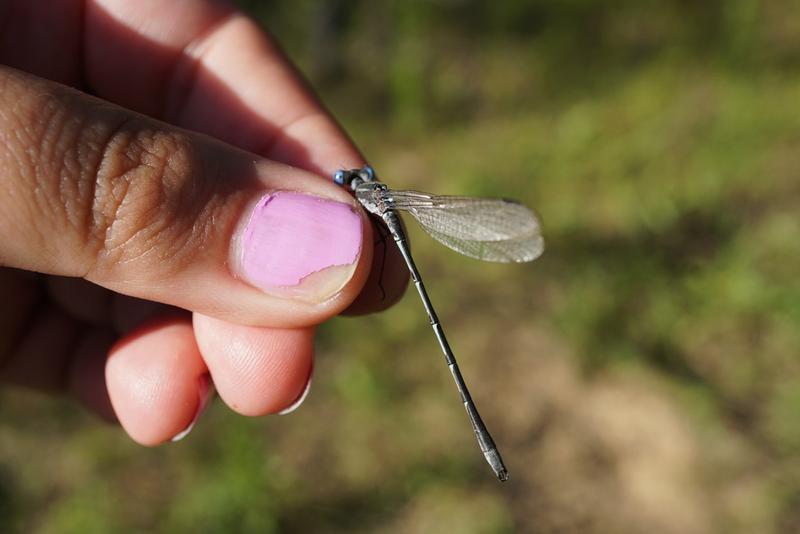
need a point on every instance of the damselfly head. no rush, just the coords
(352, 178)
(367, 173)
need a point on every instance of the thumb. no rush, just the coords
(92, 190)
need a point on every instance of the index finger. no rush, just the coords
(206, 66)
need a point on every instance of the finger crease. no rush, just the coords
(181, 80)
(95, 217)
(282, 132)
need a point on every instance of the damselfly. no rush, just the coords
(485, 229)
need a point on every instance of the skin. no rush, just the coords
(117, 210)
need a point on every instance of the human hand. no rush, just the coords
(172, 259)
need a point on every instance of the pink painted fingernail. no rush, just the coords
(205, 393)
(295, 244)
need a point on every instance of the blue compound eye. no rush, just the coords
(368, 173)
(340, 177)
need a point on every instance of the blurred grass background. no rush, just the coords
(642, 376)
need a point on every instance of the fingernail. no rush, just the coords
(205, 394)
(296, 404)
(295, 244)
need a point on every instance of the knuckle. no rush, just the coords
(105, 188)
(142, 206)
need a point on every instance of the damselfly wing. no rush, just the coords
(486, 229)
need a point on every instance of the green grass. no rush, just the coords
(642, 376)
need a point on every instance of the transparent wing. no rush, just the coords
(482, 228)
